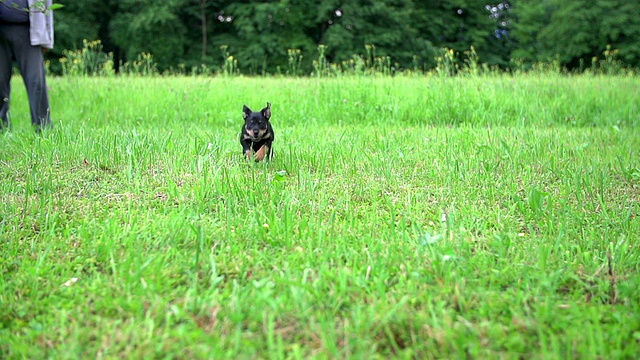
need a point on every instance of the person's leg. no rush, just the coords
(5, 78)
(31, 64)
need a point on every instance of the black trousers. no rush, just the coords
(15, 43)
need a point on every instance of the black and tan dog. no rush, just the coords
(257, 133)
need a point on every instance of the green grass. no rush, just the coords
(401, 217)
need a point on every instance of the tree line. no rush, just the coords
(274, 36)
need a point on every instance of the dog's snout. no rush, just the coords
(256, 133)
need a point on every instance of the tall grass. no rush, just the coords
(417, 217)
(91, 60)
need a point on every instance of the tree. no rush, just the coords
(263, 35)
(260, 34)
(575, 30)
(152, 26)
(620, 28)
(390, 26)
(529, 18)
(206, 16)
(460, 24)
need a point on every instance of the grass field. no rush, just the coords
(474, 218)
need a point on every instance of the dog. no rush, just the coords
(257, 133)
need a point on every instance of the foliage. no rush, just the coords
(153, 27)
(575, 31)
(143, 65)
(88, 61)
(283, 36)
(92, 61)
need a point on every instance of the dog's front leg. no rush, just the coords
(262, 152)
(269, 150)
(246, 148)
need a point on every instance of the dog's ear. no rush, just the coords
(245, 112)
(266, 112)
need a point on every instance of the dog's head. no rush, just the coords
(256, 122)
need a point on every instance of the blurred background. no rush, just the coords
(300, 37)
